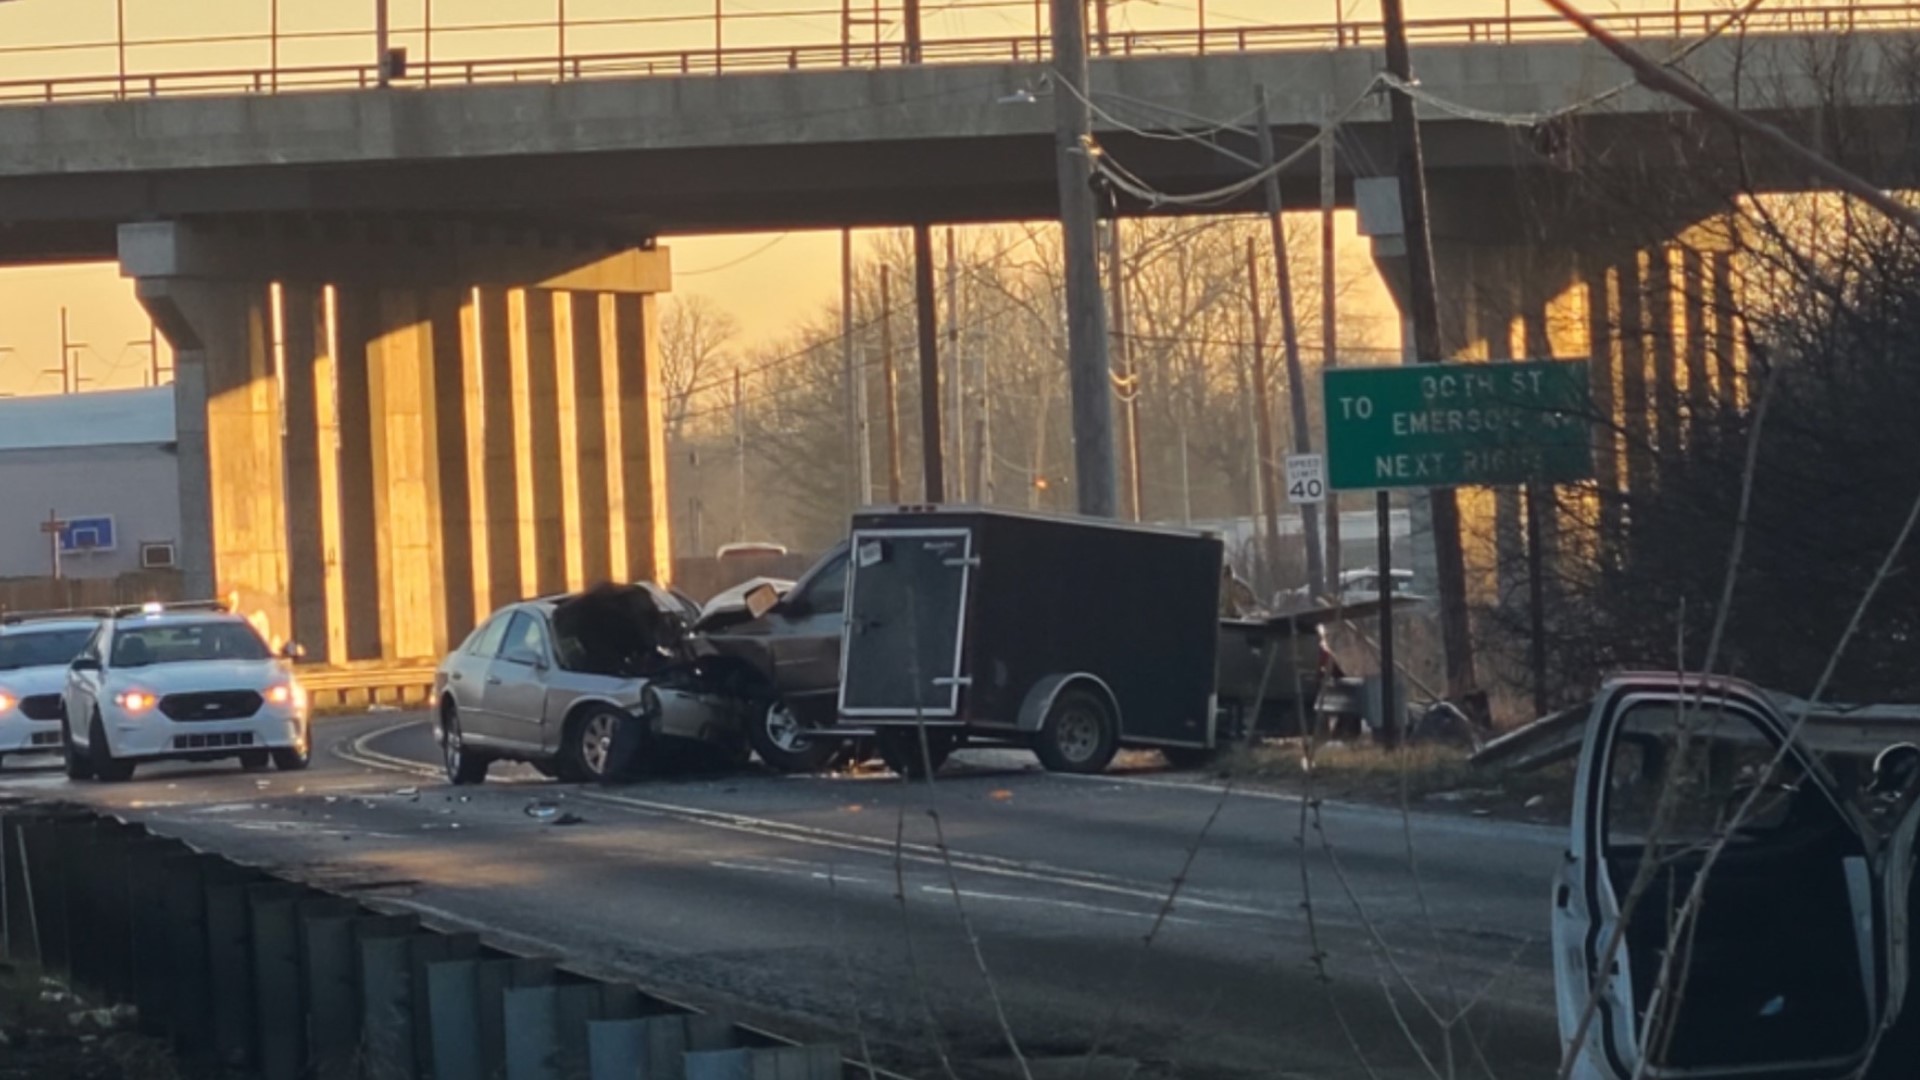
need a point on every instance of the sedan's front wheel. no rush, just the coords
(463, 766)
(100, 756)
(78, 765)
(591, 750)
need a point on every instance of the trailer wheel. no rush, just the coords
(1079, 734)
(900, 749)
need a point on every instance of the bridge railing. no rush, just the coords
(566, 65)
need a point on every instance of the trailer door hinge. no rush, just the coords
(957, 680)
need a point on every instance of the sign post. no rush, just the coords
(53, 527)
(1456, 425)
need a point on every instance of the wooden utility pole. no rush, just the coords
(1104, 26)
(956, 386)
(1263, 419)
(1290, 337)
(853, 376)
(1123, 350)
(382, 69)
(1424, 307)
(1090, 374)
(739, 458)
(1329, 327)
(915, 42)
(933, 474)
(893, 384)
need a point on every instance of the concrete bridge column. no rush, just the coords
(316, 591)
(448, 444)
(536, 391)
(636, 404)
(227, 407)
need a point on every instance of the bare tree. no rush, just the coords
(697, 338)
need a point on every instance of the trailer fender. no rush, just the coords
(1041, 695)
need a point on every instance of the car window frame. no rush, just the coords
(801, 600)
(545, 656)
(242, 625)
(502, 619)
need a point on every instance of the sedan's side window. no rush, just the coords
(526, 640)
(827, 592)
(487, 641)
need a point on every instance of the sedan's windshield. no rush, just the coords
(41, 648)
(181, 643)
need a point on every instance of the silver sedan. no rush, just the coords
(585, 687)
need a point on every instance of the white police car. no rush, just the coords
(181, 682)
(35, 649)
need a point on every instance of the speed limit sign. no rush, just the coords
(1306, 478)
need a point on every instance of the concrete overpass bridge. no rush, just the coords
(462, 275)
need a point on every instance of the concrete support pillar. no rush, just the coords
(448, 379)
(583, 396)
(468, 420)
(1726, 341)
(390, 486)
(502, 379)
(638, 416)
(1635, 402)
(1696, 292)
(315, 590)
(543, 535)
(1663, 348)
(356, 329)
(227, 402)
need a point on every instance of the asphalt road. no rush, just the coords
(828, 907)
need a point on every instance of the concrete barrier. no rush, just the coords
(253, 975)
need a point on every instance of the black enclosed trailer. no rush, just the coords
(1072, 636)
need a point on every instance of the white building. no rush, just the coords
(104, 463)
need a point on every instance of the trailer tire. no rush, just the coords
(1080, 733)
(901, 751)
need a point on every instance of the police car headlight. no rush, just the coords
(281, 694)
(7, 702)
(135, 702)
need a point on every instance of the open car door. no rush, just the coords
(1790, 957)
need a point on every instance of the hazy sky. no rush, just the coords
(767, 284)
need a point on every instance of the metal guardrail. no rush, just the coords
(360, 685)
(565, 65)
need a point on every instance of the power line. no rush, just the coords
(730, 264)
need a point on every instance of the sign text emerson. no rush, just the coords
(1448, 425)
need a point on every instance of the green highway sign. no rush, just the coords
(1449, 425)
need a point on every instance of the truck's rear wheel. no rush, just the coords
(1079, 734)
(902, 752)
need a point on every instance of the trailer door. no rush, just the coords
(906, 620)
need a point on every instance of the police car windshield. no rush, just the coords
(185, 643)
(41, 648)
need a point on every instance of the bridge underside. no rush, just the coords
(956, 180)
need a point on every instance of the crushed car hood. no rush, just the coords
(621, 631)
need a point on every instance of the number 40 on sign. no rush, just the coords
(1306, 478)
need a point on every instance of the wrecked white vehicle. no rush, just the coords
(1735, 900)
(592, 686)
